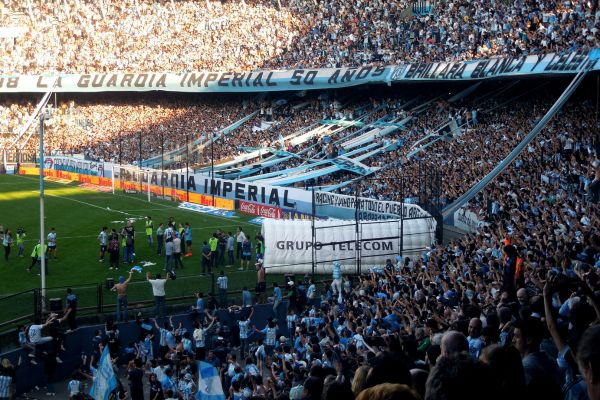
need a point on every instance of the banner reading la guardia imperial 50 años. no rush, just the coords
(255, 81)
(298, 79)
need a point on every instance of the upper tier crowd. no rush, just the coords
(84, 36)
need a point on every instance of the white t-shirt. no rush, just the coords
(241, 237)
(103, 238)
(176, 245)
(52, 239)
(158, 286)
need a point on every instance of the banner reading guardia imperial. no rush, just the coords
(299, 79)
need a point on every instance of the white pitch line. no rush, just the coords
(91, 205)
(172, 207)
(146, 209)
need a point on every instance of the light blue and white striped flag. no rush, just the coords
(105, 380)
(209, 383)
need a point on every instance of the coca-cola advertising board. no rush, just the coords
(259, 209)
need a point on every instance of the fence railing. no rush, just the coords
(96, 299)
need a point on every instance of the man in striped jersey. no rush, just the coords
(5, 382)
(244, 333)
(74, 387)
(270, 332)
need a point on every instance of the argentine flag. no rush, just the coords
(105, 380)
(209, 383)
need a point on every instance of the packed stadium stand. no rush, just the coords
(508, 306)
(107, 36)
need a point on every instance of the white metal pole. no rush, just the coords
(42, 254)
(112, 178)
(148, 183)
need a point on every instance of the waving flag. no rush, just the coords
(209, 383)
(105, 380)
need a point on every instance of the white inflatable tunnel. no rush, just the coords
(289, 243)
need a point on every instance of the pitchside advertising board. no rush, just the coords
(300, 79)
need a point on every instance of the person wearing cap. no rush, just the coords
(292, 295)
(121, 289)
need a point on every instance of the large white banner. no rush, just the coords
(199, 81)
(542, 64)
(289, 244)
(296, 79)
(467, 221)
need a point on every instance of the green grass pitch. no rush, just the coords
(78, 215)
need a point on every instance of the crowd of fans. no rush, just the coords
(74, 36)
(111, 129)
(476, 315)
(506, 311)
